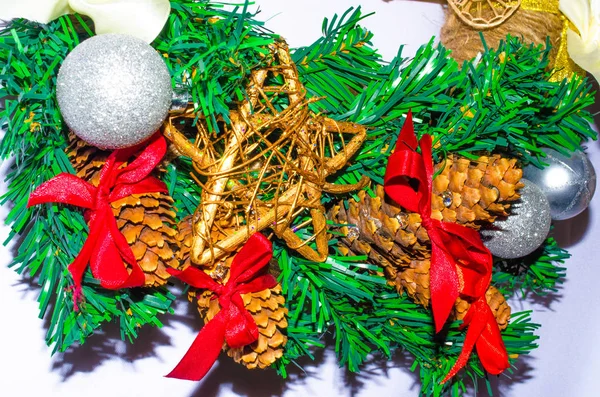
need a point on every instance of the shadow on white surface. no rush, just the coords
(357, 383)
(106, 344)
(569, 232)
(504, 385)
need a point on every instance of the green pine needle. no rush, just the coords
(538, 273)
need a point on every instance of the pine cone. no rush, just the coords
(474, 192)
(146, 220)
(266, 307)
(467, 192)
(184, 240)
(496, 302)
(415, 281)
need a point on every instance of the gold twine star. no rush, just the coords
(267, 166)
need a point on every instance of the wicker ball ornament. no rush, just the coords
(483, 14)
(114, 91)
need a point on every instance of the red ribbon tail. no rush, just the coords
(484, 333)
(443, 285)
(475, 320)
(136, 278)
(106, 260)
(490, 346)
(203, 352)
(241, 328)
(77, 269)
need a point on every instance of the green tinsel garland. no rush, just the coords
(512, 108)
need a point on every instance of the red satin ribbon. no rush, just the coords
(460, 263)
(106, 249)
(233, 324)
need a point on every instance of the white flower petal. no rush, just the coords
(140, 18)
(42, 11)
(595, 9)
(579, 13)
(583, 54)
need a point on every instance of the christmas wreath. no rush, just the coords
(392, 204)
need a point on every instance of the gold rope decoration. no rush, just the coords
(532, 20)
(266, 167)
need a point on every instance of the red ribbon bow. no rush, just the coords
(106, 249)
(233, 324)
(460, 263)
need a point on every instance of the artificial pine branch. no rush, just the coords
(502, 102)
(538, 273)
(210, 51)
(184, 190)
(30, 55)
(459, 116)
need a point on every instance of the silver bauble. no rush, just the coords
(525, 229)
(568, 182)
(114, 91)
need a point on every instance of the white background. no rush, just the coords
(566, 364)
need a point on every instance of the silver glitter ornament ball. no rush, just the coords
(525, 229)
(114, 91)
(568, 182)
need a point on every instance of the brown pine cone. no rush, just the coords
(415, 281)
(495, 300)
(467, 192)
(471, 193)
(269, 313)
(184, 240)
(146, 220)
(268, 310)
(474, 192)
(267, 307)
